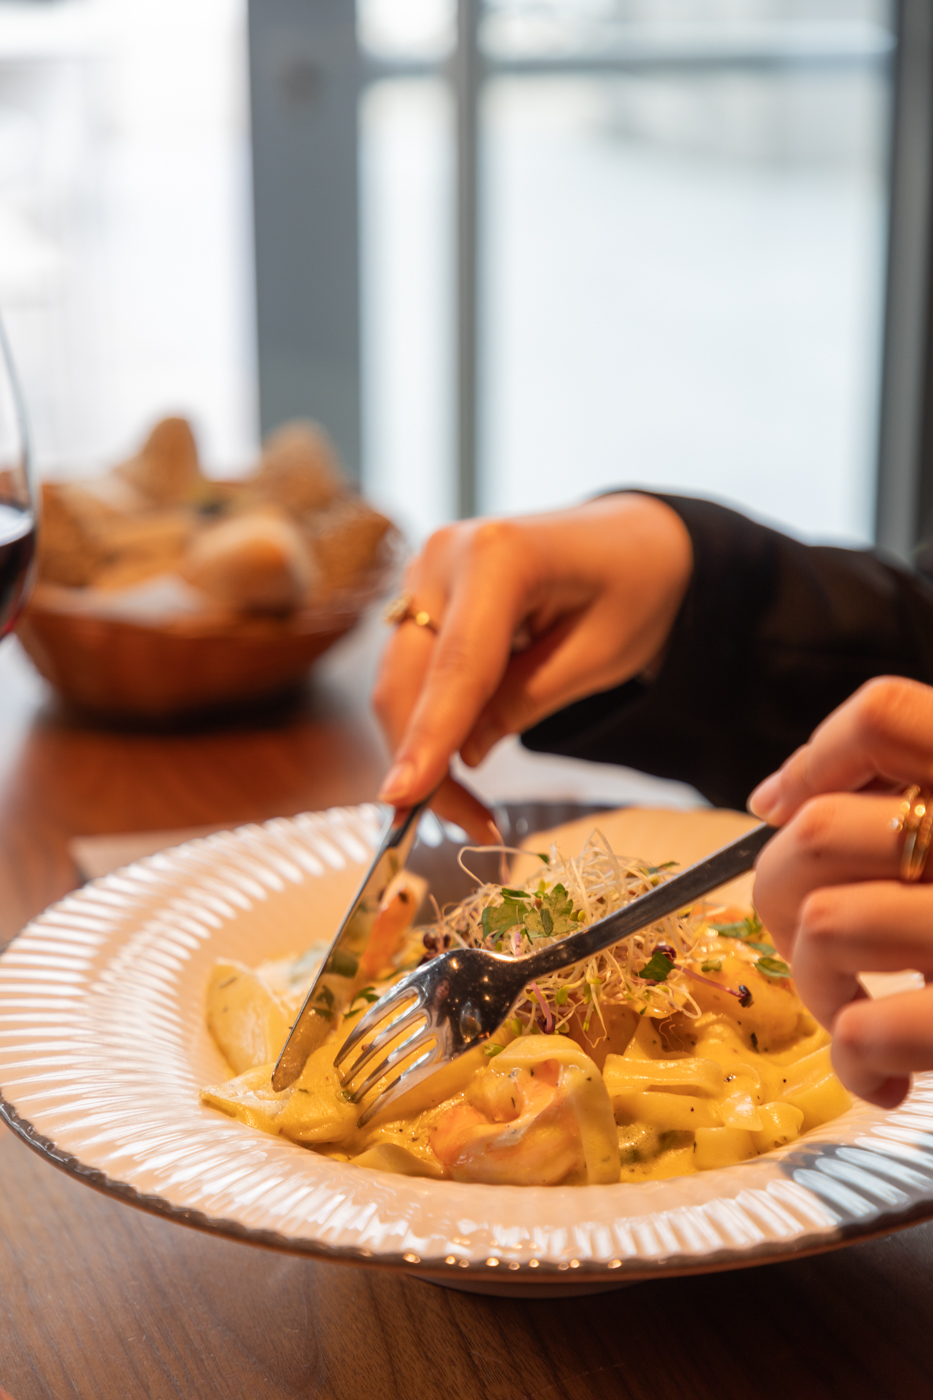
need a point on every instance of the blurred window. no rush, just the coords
(680, 247)
(677, 244)
(125, 223)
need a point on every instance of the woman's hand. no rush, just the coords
(532, 614)
(828, 887)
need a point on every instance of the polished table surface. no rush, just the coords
(102, 1302)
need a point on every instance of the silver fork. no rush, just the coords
(461, 998)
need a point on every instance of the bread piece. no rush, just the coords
(144, 545)
(258, 561)
(299, 469)
(156, 534)
(166, 470)
(347, 542)
(70, 551)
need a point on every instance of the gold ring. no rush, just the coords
(915, 822)
(402, 609)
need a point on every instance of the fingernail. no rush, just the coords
(766, 796)
(397, 783)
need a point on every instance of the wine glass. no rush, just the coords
(19, 501)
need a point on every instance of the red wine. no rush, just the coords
(17, 549)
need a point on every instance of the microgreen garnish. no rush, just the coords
(658, 967)
(544, 914)
(492, 1050)
(741, 928)
(498, 918)
(773, 967)
(643, 973)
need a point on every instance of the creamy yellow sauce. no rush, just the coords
(635, 1097)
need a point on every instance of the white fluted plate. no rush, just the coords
(103, 1048)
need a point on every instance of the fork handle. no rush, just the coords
(664, 899)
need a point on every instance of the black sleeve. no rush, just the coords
(772, 635)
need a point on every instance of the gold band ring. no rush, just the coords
(915, 822)
(403, 609)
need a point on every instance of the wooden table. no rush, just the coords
(104, 1303)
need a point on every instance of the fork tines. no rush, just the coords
(411, 1002)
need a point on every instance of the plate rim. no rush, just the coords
(636, 1271)
(544, 1273)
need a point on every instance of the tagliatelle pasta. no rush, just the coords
(680, 1049)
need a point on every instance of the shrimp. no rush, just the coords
(537, 1116)
(396, 916)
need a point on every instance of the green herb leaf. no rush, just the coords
(743, 928)
(712, 965)
(541, 856)
(658, 968)
(737, 930)
(552, 915)
(498, 918)
(773, 967)
(515, 894)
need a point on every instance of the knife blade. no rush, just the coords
(335, 983)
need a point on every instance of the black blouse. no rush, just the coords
(772, 635)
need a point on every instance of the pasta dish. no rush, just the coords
(682, 1048)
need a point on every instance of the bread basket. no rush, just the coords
(162, 593)
(122, 668)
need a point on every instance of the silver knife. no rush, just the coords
(335, 983)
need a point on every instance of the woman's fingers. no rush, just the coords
(428, 699)
(878, 1044)
(402, 670)
(626, 557)
(468, 656)
(457, 804)
(827, 886)
(837, 839)
(878, 926)
(884, 731)
(529, 690)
